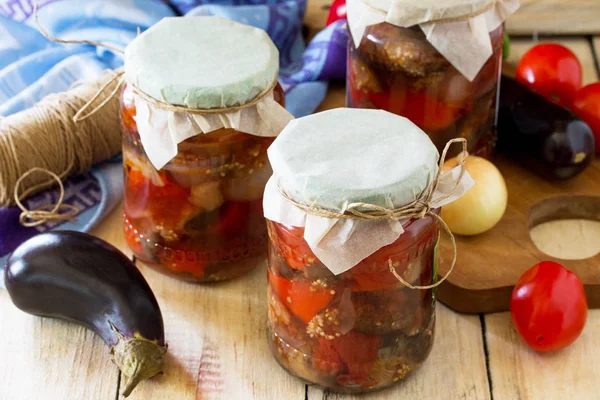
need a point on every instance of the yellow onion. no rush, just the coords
(483, 206)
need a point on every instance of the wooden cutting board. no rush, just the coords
(488, 265)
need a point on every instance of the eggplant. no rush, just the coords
(542, 136)
(80, 278)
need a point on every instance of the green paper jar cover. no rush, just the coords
(343, 156)
(458, 29)
(207, 63)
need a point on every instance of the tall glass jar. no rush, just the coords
(398, 70)
(200, 217)
(361, 330)
(354, 222)
(194, 145)
(436, 63)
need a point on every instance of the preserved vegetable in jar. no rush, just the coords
(194, 147)
(352, 262)
(439, 72)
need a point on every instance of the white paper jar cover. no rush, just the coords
(458, 29)
(343, 156)
(202, 63)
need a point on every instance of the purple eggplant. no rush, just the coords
(542, 136)
(80, 278)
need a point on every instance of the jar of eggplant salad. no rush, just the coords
(353, 218)
(435, 62)
(200, 106)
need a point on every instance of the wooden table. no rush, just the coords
(217, 337)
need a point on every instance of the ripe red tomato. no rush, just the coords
(336, 12)
(553, 71)
(548, 306)
(587, 106)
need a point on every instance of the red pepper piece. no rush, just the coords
(325, 357)
(423, 110)
(303, 299)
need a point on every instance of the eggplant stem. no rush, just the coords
(138, 359)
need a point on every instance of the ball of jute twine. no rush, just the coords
(421, 207)
(46, 137)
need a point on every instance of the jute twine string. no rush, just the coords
(46, 137)
(421, 207)
(460, 18)
(47, 213)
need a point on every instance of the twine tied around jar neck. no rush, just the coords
(421, 207)
(459, 18)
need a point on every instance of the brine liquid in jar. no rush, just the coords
(359, 331)
(398, 70)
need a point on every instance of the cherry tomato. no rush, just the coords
(336, 12)
(548, 306)
(301, 297)
(587, 106)
(553, 71)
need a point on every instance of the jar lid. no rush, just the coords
(202, 62)
(343, 156)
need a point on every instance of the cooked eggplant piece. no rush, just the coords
(542, 136)
(80, 278)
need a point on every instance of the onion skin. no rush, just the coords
(80, 278)
(483, 206)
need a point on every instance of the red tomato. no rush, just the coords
(302, 298)
(169, 204)
(553, 71)
(325, 357)
(233, 217)
(423, 110)
(548, 306)
(587, 106)
(185, 260)
(358, 351)
(296, 251)
(336, 12)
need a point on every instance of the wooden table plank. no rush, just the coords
(516, 371)
(535, 16)
(54, 360)
(556, 17)
(455, 368)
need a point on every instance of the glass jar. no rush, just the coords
(359, 331)
(200, 217)
(398, 70)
